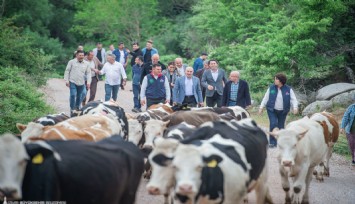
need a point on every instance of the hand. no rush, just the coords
(260, 111)
(171, 84)
(124, 83)
(248, 107)
(67, 84)
(167, 101)
(209, 87)
(295, 111)
(201, 104)
(342, 131)
(87, 86)
(127, 50)
(174, 104)
(143, 102)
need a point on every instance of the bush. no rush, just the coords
(20, 102)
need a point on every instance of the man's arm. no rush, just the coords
(144, 72)
(143, 89)
(247, 94)
(199, 92)
(167, 89)
(204, 79)
(123, 74)
(67, 72)
(176, 89)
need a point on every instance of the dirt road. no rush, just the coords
(339, 188)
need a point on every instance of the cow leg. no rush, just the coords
(319, 171)
(299, 185)
(262, 189)
(285, 184)
(328, 156)
(308, 182)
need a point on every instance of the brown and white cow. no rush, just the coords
(301, 148)
(331, 134)
(85, 127)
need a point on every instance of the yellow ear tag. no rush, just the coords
(212, 163)
(38, 159)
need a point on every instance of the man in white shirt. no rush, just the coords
(114, 73)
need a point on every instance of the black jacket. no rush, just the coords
(135, 54)
(243, 97)
(147, 68)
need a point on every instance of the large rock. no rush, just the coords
(332, 90)
(344, 99)
(317, 106)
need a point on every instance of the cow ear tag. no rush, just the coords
(38, 159)
(212, 163)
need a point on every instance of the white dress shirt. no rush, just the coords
(188, 87)
(113, 73)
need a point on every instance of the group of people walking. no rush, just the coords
(177, 83)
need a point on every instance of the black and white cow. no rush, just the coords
(108, 171)
(51, 119)
(109, 108)
(227, 113)
(231, 154)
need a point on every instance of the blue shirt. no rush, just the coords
(136, 74)
(198, 64)
(348, 118)
(234, 91)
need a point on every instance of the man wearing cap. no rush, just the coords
(198, 63)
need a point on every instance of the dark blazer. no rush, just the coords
(243, 97)
(207, 79)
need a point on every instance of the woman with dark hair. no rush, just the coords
(277, 100)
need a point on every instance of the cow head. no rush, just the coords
(287, 141)
(152, 129)
(162, 178)
(135, 133)
(188, 164)
(13, 161)
(30, 130)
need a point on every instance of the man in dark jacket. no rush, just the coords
(236, 92)
(135, 52)
(147, 68)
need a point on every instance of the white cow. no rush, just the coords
(301, 147)
(331, 134)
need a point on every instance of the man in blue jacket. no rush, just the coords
(187, 90)
(149, 51)
(198, 63)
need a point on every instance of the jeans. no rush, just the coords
(75, 95)
(136, 92)
(277, 119)
(213, 100)
(111, 91)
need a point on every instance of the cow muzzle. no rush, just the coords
(185, 189)
(287, 163)
(152, 190)
(9, 193)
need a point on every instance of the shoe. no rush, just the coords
(139, 110)
(135, 110)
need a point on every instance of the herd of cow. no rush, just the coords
(202, 155)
